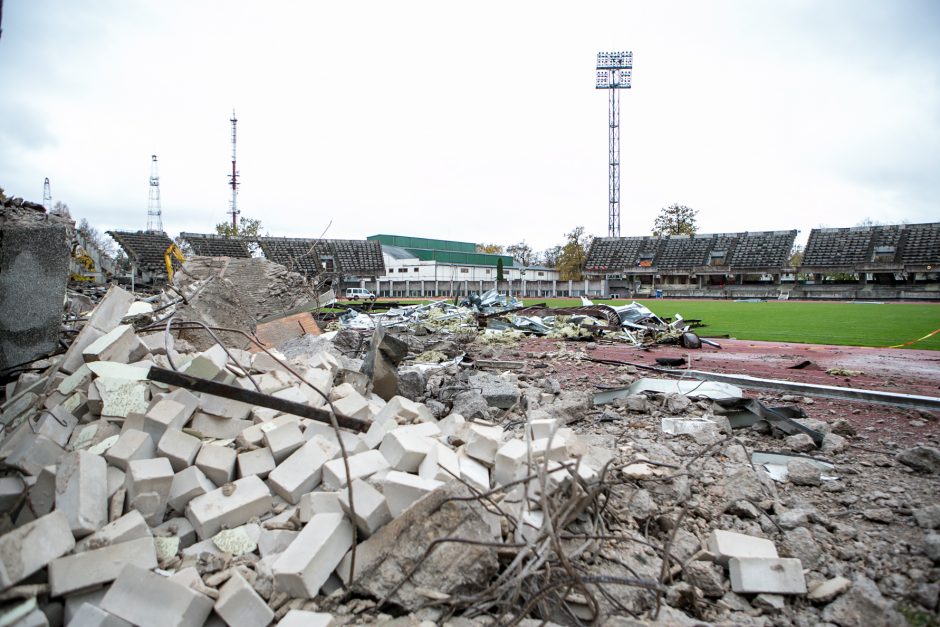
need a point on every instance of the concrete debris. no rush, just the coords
(154, 476)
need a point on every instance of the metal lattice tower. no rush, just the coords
(154, 214)
(233, 178)
(47, 195)
(614, 72)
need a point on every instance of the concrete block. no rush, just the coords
(353, 404)
(81, 491)
(149, 600)
(165, 415)
(541, 427)
(56, 424)
(303, 618)
(179, 448)
(32, 546)
(399, 409)
(119, 344)
(353, 442)
(318, 503)
(377, 432)
(224, 407)
(511, 462)
(361, 465)
(148, 483)
(342, 390)
(257, 462)
(324, 361)
(76, 380)
(283, 440)
(453, 425)
(228, 506)
(423, 429)
(773, 575)
(12, 488)
(187, 485)
(472, 471)
(74, 602)
(178, 528)
(301, 472)
(405, 452)
(217, 462)
(115, 480)
(274, 381)
(31, 453)
(130, 526)
(89, 615)
(255, 433)
(217, 427)
(401, 490)
(305, 566)
(106, 315)
(132, 445)
(275, 541)
(727, 544)
(322, 380)
(182, 396)
(41, 495)
(482, 442)
(441, 463)
(372, 510)
(120, 397)
(240, 606)
(82, 571)
(208, 364)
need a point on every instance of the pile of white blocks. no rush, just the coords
(132, 485)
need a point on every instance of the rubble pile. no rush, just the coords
(406, 472)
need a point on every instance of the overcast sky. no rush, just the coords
(475, 121)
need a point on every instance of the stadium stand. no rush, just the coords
(216, 245)
(348, 257)
(145, 249)
(891, 246)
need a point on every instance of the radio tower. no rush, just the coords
(154, 215)
(614, 72)
(46, 195)
(233, 179)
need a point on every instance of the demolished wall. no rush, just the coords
(34, 258)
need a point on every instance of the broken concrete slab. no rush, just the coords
(28, 548)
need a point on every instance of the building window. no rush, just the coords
(540, 273)
(415, 270)
(487, 271)
(403, 269)
(464, 270)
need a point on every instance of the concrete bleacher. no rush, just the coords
(891, 247)
(296, 253)
(209, 245)
(145, 249)
(349, 257)
(765, 249)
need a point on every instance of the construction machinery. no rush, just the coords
(172, 251)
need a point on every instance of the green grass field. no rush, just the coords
(848, 324)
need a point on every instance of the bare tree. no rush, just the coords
(523, 253)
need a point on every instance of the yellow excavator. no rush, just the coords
(172, 251)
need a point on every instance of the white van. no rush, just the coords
(355, 293)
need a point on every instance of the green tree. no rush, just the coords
(573, 254)
(675, 220)
(247, 227)
(523, 253)
(499, 269)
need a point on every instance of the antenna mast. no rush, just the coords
(614, 72)
(154, 214)
(46, 195)
(233, 178)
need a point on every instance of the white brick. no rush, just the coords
(401, 490)
(82, 571)
(148, 483)
(216, 427)
(439, 460)
(149, 600)
(275, 541)
(224, 407)
(372, 510)
(405, 452)
(207, 364)
(283, 440)
(772, 575)
(115, 480)
(399, 409)
(541, 428)
(74, 381)
(130, 526)
(354, 443)
(482, 442)
(211, 512)
(341, 391)
(453, 425)
(324, 361)
(81, 491)
(217, 462)
(179, 448)
(120, 344)
(511, 462)
(165, 415)
(727, 544)
(354, 405)
(322, 380)
(32, 546)
(240, 606)
(361, 466)
(377, 432)
(56, 424)
(255, 433)
(305, 566)
(187, 485)
(41, 494)
(257, 462)
(472, 471)
(300, 473)
(319, 503)
(89, 615)
(131, 445)
(303, 618)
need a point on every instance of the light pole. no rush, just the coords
(614, 72)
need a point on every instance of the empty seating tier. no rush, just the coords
(217, 245)
(866, 245)
(145, 249)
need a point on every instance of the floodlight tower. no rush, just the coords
(46, 195)
(154, 214)
(614, 72)
(233, 179)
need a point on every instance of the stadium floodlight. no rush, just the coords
(614, 72)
